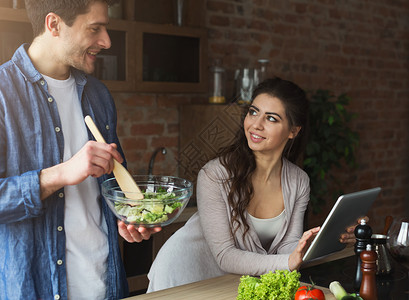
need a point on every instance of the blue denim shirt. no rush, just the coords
(32, 237)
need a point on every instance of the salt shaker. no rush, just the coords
(368, 267)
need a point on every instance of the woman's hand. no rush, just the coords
(133, 234)
(295, 259)
(349, 236)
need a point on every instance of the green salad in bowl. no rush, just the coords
(164, 198)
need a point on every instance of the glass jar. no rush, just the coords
(217, 84)
(115, 10)
(260, 73)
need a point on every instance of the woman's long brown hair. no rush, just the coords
(238, 158)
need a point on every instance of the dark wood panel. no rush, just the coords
(204, 129)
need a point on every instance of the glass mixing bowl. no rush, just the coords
(165, 197)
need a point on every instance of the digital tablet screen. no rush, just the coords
(344, 213)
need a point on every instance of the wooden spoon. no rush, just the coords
(388, 222)
(124, 179)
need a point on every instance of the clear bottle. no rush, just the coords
(18, 4)
(217, 83)
(245, 85)
(260, 73)
(115, 10)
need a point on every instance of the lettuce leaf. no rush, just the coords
(280, 285)
(149, 212)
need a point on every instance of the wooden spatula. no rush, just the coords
(122, 176)
(388, 222)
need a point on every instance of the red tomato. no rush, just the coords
(309, 292)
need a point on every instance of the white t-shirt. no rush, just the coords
(267, 229)
(85, 227)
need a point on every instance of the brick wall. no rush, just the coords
(356, 47)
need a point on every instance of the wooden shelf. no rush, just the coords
(126, 67)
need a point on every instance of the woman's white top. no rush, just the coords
(267, 229)
(207, 246)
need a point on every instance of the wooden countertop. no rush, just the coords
(218, 288)
(225, 287)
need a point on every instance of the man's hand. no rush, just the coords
(133, 234)
(94, 159)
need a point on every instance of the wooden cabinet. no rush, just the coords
(15, 29)
(204, 129)
(144, 57)
(164, 12)
(147, 57)
(170, 58)
(116, 66)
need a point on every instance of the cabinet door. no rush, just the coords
(143, 57)
(170, 58)
(115, 66)
(204, 130)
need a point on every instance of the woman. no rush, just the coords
(251, 199)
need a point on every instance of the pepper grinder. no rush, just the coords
(363, 233)
(368, 267)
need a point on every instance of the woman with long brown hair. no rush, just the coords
(251, 199)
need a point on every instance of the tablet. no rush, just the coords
(346, 211)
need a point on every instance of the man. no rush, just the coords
(58, 239)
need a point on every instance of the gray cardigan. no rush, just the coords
(204, 247)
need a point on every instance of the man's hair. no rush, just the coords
(68, 10)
